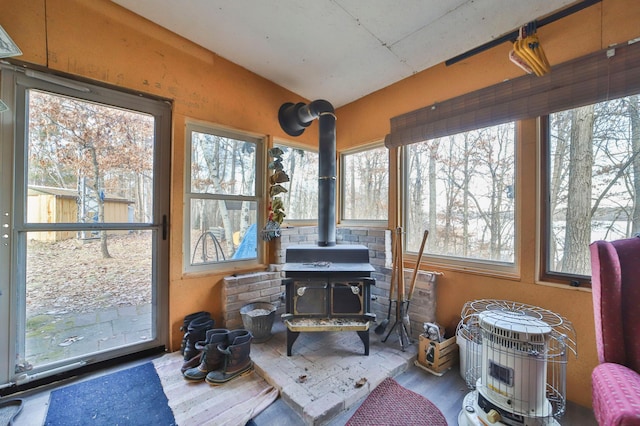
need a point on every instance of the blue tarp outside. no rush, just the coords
(248, 248)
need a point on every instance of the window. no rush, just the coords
(365, 185)
(301, 199)
(586, 193)
(593, 182)
(461, 189)
(222, 207)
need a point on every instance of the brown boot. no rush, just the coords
(211, 358)
(237, 361)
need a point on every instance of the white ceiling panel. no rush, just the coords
(392, 21)
(340, 50)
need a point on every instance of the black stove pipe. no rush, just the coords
(294, 118)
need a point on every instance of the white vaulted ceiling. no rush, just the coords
(340, 50)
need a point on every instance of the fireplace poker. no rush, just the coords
(394, 281)
(402, 331)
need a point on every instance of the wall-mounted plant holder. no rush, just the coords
(276, 207)
(7, 47)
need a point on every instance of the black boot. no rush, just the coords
(211, 359)
(196, 332)
(237, 361)
(185, 325)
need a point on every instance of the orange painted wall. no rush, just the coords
(101, 41)
(367, 120)
(97, 39)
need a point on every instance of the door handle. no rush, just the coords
(164, 227)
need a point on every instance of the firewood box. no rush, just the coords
(437, 357)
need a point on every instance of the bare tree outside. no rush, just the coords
(301, 200)
(97, 150)
(365, 184)
(578, 231)
(461, 189)
(593, 180)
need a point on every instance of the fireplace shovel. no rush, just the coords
(412, 286)
(380, 329)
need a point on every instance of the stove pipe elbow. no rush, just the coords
(294, 119)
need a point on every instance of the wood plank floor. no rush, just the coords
(446, 392)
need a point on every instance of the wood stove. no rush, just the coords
(328, 286)
(328, 289)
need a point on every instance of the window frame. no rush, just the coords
(608, 73)
(380, 223)
(545, 274)
(258, 197)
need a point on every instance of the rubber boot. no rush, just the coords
(211, 359)
(237, 361)
(196, 332)
(197, 358)
(185, 324)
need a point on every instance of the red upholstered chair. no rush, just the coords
(615, 271)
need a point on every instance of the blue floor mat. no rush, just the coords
(129, 397)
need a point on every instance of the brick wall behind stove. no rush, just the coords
(267, 286)
(423, 305)
(240, 290)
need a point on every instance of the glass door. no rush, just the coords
(88, 225)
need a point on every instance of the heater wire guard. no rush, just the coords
(515, 358)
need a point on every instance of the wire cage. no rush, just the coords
(513, 357)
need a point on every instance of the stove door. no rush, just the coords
(309, 297)
(347, 298)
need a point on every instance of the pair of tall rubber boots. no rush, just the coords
(194, 327)
(225, 355)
